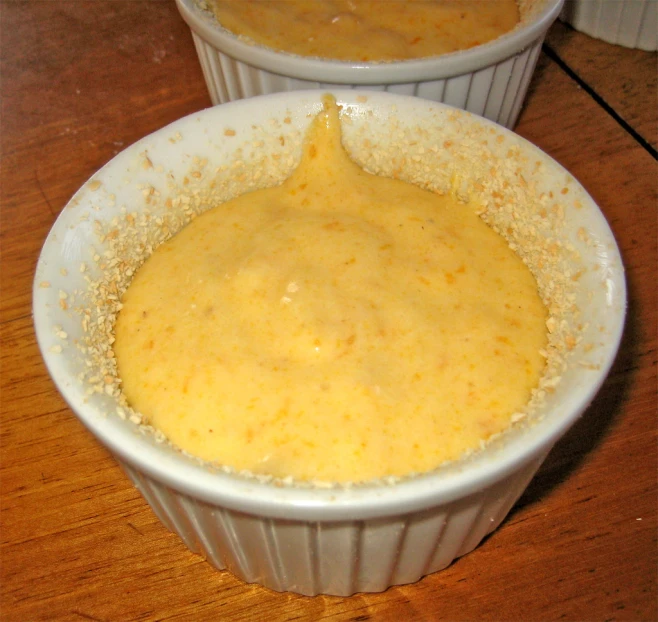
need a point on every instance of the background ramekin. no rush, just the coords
(490, 80)
(321, 540)
(631, 23)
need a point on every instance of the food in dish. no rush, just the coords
(339, 327)
(366, 30)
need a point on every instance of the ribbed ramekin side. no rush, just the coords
(495, 92)
(522, 69)
(630, 23)
(334, 557)
(496, 503)
(647, 36)
(153, 498)
(211, 69)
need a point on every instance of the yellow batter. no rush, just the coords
(339, 327)
(366, 30)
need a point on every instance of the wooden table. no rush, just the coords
(81, 80)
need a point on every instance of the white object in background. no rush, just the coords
(490, 80)
(631, 23)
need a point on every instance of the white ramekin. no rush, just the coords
(304, 539)
(490, 80)
(631, 23)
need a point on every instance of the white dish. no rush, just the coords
(303, 539)
(490, 80)
(630, 23)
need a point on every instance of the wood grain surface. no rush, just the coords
(83, 79)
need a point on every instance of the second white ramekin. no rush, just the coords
(490, 80)
(630, 23)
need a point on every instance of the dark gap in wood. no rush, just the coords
(25, 316)
(553, 55)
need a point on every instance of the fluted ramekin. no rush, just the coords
(301, 538)
(490, 80)
(630, 23)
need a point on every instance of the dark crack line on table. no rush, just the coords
(553, 55)
(43, 194)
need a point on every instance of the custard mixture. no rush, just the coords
(339, 327)
(367, 30)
